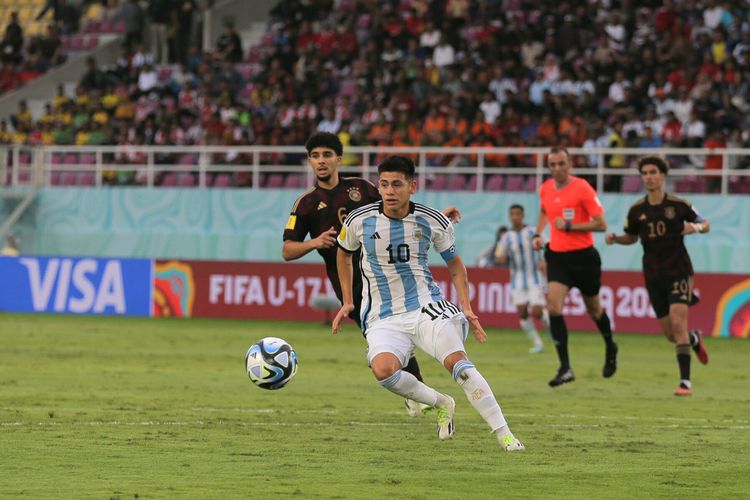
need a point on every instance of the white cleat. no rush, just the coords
(445, 419)
(510, 443)
(536, 349)
(413, 408)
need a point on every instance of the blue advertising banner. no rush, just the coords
(76, 285)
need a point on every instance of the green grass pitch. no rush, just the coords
(126, 408)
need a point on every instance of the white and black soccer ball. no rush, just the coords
(271, 363)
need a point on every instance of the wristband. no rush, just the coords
(568, 225)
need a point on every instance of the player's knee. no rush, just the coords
(450, 361)
(384, 365)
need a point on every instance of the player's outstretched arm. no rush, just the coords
(460, 279)
(294, 250)
(621, 239)
(346, 273)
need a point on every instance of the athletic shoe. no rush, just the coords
(445, 419)
(700, 348)
(413, 408)
(610, 361)
(510, 443)
(683, 391)
(536, 349)
(562, 377)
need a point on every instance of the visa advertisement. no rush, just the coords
(267, 290)
(76, 285)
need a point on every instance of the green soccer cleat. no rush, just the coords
(510, 443)
(445, 419)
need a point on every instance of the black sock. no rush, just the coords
(683, 360)
(559, 332)
(605, 328)
(413, 367)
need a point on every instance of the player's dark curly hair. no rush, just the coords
(657, 161)
(325, 140)
(398, 164)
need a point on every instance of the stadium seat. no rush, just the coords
(222, 181)
(68, 178)
(456, 182)
(54, 179)
(294, 181)
(494, 183)
(86, 179)
(631, 184)
(70, 159)
(56, 158)
(438, 182)
(515, 183)
(274, 181)
(24, 158)
(530, 184)
(88, 158)
(91, 42)
(169, 180)
(471, 185)
(186, 180)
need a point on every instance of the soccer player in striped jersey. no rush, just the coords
(661, 221)
(402, 306)
(527, 280)
(321, 210)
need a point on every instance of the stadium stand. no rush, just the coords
(430, 73)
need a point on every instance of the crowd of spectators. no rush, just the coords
(434, 73)
(22, 58)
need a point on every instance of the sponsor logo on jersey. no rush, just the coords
(355, 194)
(669, 212)
(322, 205)
(642, 217)
(375, 236)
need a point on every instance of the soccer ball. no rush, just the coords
(271, 363)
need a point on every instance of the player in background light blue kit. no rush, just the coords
(402, 306)
(527, 281)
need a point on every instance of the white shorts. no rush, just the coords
(533, 295)
(437, 335)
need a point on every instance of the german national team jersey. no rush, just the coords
(396, 276)
(660, 230)
(576, 202)
(319, 209)
(523, 260)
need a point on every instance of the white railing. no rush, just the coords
(40, 166)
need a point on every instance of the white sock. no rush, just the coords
(503, 431)
(686, 383)
(527, 325)
(405, 384)
(479, 394)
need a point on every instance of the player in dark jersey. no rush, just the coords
(661, 221)
(321, 210)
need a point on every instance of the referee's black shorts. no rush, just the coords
(667, 291)
(580, 269)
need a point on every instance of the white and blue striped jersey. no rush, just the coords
(523, 260)
(396, 276)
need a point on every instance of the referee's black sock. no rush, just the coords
(559, 332)
(605, 328)
(413, 367)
